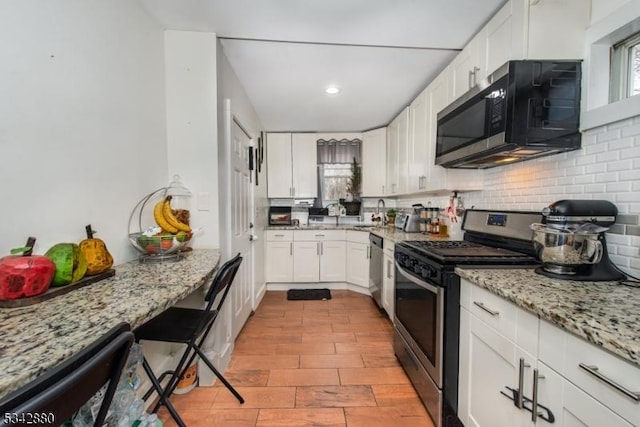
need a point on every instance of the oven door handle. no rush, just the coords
(415, 281)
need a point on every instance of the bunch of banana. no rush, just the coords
(166, 219)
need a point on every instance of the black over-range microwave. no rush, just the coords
(524, 110)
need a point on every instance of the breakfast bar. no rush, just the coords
(38, 337)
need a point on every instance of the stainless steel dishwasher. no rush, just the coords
(375, 268)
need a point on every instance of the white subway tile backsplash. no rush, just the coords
(630, 130)
(595, 188)
(619, 124)
(607, 177)
(618, 187)
(609, 135)
(632, 196)
(608, 156)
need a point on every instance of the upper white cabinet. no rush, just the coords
(397, 154)
(292, 165)
(418, 162)
(374, 162)
(470, 66)
(546, 29)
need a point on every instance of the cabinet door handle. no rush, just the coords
(521, 382)
(388, 269)
(488, 310)
(470, 79)
(291, 248)
(475, 75)
(368, 252)
(294, 192)
(321, 248)
(279, 235)
(318, 248)
(534, 404)
(382, 190)
(593, 370)
(319, 235)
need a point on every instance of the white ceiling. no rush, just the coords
(285, 52)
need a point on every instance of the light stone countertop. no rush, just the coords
(604, 313)
(40, 336)
(384, 232)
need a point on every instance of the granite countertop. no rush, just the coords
(384, 232)
(604, 313)
(40, 336)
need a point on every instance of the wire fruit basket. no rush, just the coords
(159, 224)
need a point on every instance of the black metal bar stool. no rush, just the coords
(60, 391)
(191, 327)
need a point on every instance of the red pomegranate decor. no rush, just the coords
(25, 275)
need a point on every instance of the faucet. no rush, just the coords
(378, 206)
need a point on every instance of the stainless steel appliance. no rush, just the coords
(427, 299)
(408, 222)
(570, 241)
(375, 267)
(524, 110)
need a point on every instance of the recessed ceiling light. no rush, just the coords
(332, 90)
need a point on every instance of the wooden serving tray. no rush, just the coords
(56, 291)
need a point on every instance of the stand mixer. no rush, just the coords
(570, 241)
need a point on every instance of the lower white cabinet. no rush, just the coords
(279, 259)
(306, 261)
(388, 284)
(505, 349)
(332, 265)
(358, 255)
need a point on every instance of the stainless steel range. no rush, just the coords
(427, 299)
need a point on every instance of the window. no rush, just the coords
(334, 168)
(625, 68)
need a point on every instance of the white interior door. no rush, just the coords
(241, 226)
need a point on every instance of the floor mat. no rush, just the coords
(308, 294)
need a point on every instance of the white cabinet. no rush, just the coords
(403, 150)
(374, 162)
(523, 29)
(398, 133)
(388, 284)
(469, 67)
(279, 256)
(319, 256)
(358, 256)
(332, 261)
(392, 159)
(291, 165)
(439, 92)
(502, 346)
(304, 153)
(419, 145)
(306, 261)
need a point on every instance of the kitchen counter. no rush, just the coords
(384, 232)
(40, 336)
(604, 313)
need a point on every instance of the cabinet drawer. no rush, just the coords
(279, 235)
(575, 356)
(495, 311)
(358, 236)
(388, 246)
(318, 235)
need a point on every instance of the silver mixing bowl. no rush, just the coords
(565, 247)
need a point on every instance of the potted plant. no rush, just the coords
(391, 217)
(352, 204)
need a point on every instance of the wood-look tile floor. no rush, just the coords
(310, 363)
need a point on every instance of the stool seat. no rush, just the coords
(176, 325)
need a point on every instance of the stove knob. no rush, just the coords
(417, 267)
(428, 272)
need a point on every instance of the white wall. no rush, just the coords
(82, 128)
(192, 130)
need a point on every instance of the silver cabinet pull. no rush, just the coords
(488, 310)
(321, 248)
(593, 370)
(291, 248)
(521, 382)
(279, 235)
(475, 75)
(470, 79)
(368, 252)
(318, 248)
(388, 269)
(319, 235)
(534, 404)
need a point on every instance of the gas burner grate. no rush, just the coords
(441, 244)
